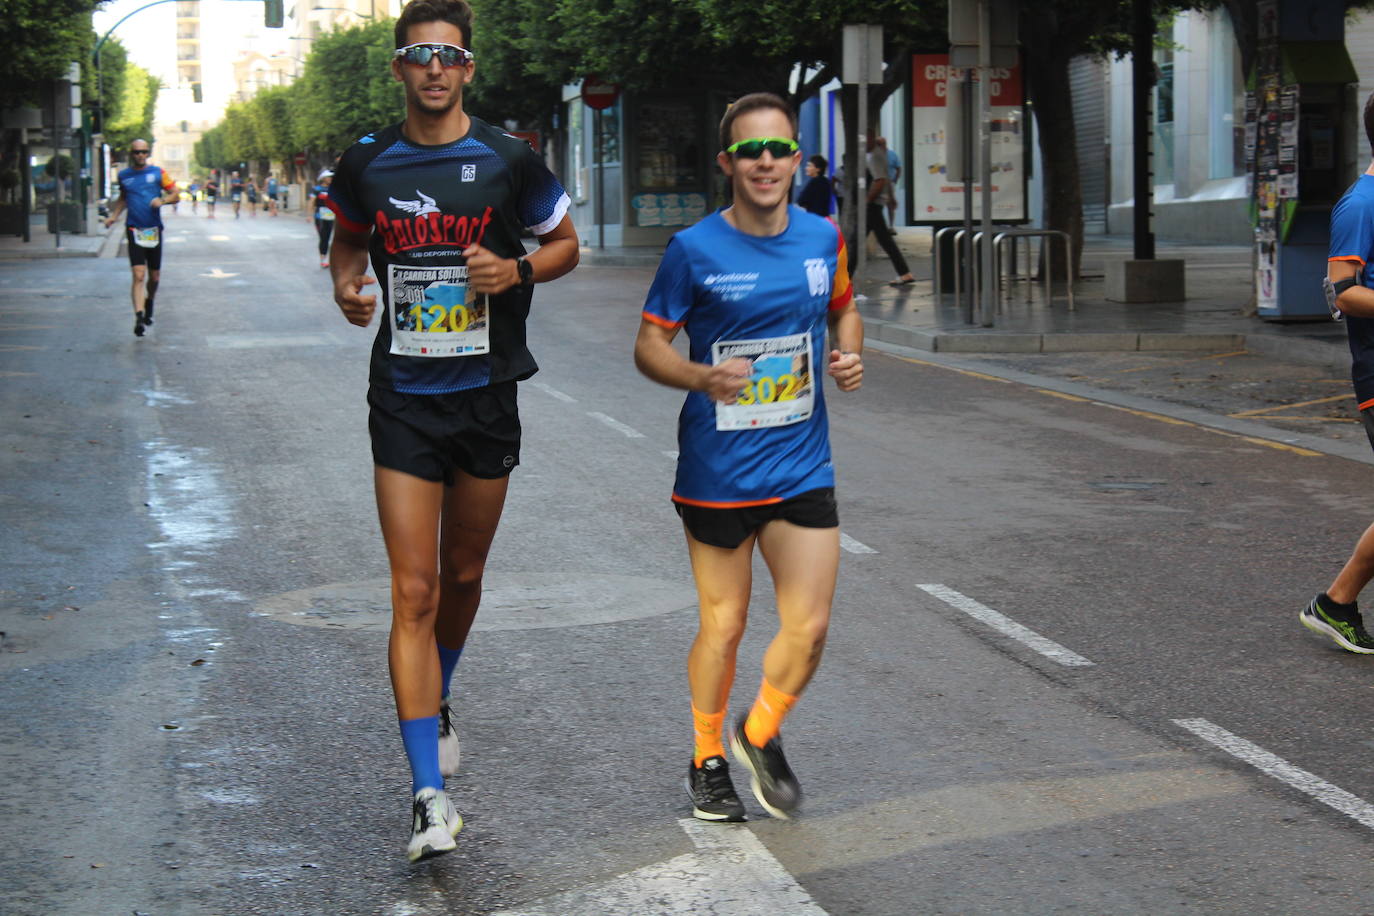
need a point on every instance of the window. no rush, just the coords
(1164, 117)
(1226, 138)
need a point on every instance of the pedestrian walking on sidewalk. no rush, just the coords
(441, 201)
(143, 189)
(814, 196)
(758, 286)
(879, 187)
(1350, 293)
(324, 217)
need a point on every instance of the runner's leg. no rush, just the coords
(804, 563)
(723, 580)
(409, 510)
(140, 272)
(472, 509)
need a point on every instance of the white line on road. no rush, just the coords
(671, 453)
(1271, 765)
(853, 546)
(1004, 624)
(729, 864)
(628, 431)
(554, 392)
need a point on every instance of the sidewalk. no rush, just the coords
(1218, 283)
(43, 244)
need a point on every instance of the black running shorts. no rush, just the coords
(729, 528)
(476, 431)
(1367, 417)
(140, 255)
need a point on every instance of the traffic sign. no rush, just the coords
(599, 94)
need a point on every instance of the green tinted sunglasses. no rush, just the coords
(754, 147)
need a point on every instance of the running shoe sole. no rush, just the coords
(429, 850)
(1314, 623)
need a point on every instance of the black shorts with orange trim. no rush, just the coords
(431, 436)
(138, 255)
(728, 528)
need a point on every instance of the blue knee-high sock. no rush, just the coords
(421, 740)
(448, 660)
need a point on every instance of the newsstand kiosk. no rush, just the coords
(1299, 113)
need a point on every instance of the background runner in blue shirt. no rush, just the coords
(143, 189)
(757, 287)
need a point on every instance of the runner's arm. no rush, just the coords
(847, 335)
(348, 270)
(116, 210)
(556, 255)
(657, 359)
(1357, 300)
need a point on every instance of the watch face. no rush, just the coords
(526, 271)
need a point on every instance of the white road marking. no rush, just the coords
(1272, 765)
(671, 453)
(247, 341)
(730, 871)
(217, 274)
(219, 238)
(628, 431)
(1004, 624)
(554, 392)
(853, 546)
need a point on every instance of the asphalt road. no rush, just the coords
(196, 715)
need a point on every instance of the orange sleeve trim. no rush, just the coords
(661, 321)
(706, 504)
(345, 221)
(843, 292)
(1367, 404)
(1347, 257)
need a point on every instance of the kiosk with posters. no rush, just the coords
(937, 199)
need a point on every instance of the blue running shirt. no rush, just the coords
(1352, 239)
(765, 299)
(423, 206)
(138, 187)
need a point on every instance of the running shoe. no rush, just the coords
(138, 324)
(448, 741)
(436, 823)
(148, 311)
(771, 779)
(712, 793)
(1347, 629)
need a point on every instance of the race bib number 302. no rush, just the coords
(781, 390)
(434, 314)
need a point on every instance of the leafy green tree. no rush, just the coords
(346, 90)
(270, 112)
(38, 42)
(130, 116)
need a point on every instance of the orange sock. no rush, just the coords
(706, 729)
(765, 719)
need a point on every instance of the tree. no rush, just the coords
(130, 115)
(346, 89)
(38, 42)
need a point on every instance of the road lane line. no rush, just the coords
(1004, 624)
(1272, 765)
(628, 431)
(554, 392)
(730, 870)
(853, 546)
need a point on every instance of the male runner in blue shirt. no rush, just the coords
(757, 286)
(441, 201)
(1350, 287)
(143, 189)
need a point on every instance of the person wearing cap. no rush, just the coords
(324, 217)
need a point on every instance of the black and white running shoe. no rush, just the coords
(712, 793)
(771, 779)
(138, 324)
(448, 741)
(436, 823)
(148, 310)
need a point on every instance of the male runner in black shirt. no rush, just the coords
(440, 201)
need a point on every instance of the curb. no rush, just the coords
(1066, 342)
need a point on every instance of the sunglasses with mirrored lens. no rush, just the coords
(421, 55)
(753, 148)
(140, 152)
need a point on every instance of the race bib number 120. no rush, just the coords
(780, 389)
(434, 314)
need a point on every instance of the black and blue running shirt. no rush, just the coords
(424, 205)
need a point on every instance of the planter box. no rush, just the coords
(73, 218)
(11, 219)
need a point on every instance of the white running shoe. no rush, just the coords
(448, 741)
(436, 823)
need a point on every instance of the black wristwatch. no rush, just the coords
(526, 270)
